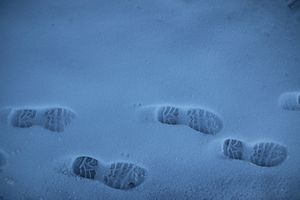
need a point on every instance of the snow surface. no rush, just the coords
(105, 58)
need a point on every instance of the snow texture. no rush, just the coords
(106, 67)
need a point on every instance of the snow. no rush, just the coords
(104, 59)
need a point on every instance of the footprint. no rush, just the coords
(290, 101)
(265, 154)
(118, 175)
(294, 4)
(198, 119)
(55, 119)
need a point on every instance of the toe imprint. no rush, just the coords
(57, 119)
(268, 154)
(204, 121)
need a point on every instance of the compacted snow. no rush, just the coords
(138, 99)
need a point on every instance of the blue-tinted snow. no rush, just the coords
(102, 58)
